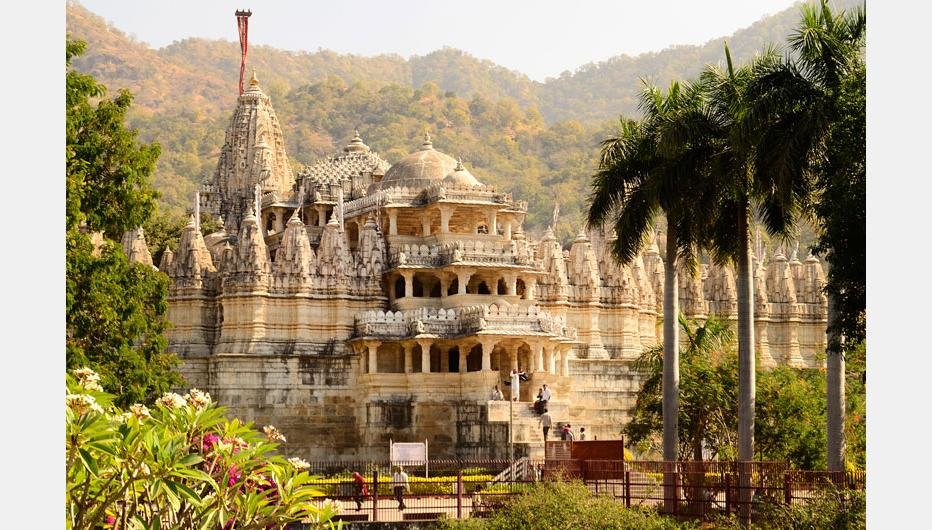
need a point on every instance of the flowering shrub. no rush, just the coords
(179, 465)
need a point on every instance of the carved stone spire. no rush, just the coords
(249, 263)
(253, 153)
(782, 288)
(721, 291)
(135, 248)
(584, 266)
(295, 262)
(192, 261)
(692, 301)
(371, 251)
(334, 261)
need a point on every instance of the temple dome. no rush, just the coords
(461, 177)
(421, 168)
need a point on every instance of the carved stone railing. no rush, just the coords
(467, 251)
(509, 320)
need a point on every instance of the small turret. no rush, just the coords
(720, 290)
(782, 288)
(192, 261)
(135, 248)
(583, 266)
(334, 261)
(295, 262)
(248, 265)
(371, 251)
(692, 301)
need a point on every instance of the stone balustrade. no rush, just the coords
(465, 251)
(494, 318)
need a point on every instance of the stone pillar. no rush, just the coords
(493, 226)
(425, 356)
(540, 358)
(530, 288)
(409, 349)
(550, 360)
(511, 282)
(393, 222)
(425, 224)
(409, 283)
(278, 225)
(373, 356)
(464, 351)
(565, 362)
(462, 278)
(444, 284)
(508, 230)
(487, 346)
(513, 356)
(321, 215)
(446, 212)
(444, 360)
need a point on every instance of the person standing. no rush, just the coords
(545, 421)
(547, 394)
(360, 491)
(582, 434)
(515, 384)
(400, 484)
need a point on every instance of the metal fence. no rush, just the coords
(476, 488)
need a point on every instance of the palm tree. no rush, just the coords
(795, 103)
(646, 169)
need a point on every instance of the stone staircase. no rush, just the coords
(526, 428)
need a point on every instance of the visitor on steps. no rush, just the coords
(515, 384)
(497, 394)
(539, 403)
(545, 421)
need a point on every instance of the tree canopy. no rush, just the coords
(114, 309)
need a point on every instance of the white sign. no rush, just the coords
(409, 452)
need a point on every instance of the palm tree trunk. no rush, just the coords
(671, 366)
(835, 392)
(746, 359)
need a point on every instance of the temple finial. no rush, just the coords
(255, 79)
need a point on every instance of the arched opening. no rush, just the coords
(501, 288)
(400, 287)
(453, 359)
(474, 359)
(270, 222)
(435, 290)
(454, 287)
(482, 229)
(520, 288)
(416, 358)
(352, 235)
(418, 287)
(437, 358)
(483, 288)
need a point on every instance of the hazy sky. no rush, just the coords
(540, 39)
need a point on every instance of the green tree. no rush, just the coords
(114, 310)
(790, 422)
(809, 114)
(708, 389)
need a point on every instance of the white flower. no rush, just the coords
(273, 434)
(140, 411)
(299, 463)
(197, 399)
(170, 400)
(89, 379)
(331, 506)
(81, 403)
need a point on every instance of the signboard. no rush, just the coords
(408, 453)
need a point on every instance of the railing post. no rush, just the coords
(375, 494)
(787, 492)
(728, 493)
(627, 489)
(459, 494)
(676, 493)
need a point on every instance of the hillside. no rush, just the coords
(538, 139)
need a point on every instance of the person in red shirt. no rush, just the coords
(360, 491)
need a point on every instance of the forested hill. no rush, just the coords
(539, 140)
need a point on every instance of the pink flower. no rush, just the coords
(234, 474)
(210, 440)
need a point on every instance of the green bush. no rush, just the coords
(561, 505)
(841, 510)
(181, 464)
